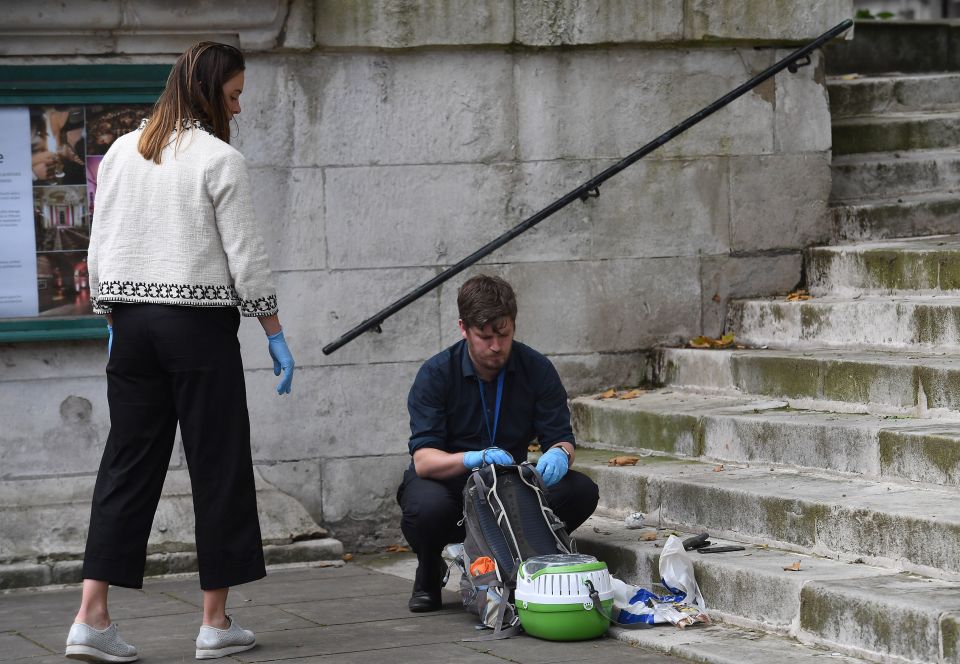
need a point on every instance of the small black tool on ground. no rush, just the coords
(720, 549)
(696, 542)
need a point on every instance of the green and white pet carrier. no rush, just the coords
(553, 597)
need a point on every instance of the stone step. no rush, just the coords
(892, 174)
(896, 615)
(896, 132)
(883, 382)
(758, 431)
(918, 322)
(903, 216)
(895, 46)
(869, 95)
(919, 265)
(887, 524)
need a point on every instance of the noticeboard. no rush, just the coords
(56, 123)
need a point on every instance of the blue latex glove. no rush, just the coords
(490, 455)
(282, 360)
(553, 465)
(109, 339)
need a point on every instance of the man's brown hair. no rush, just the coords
(486, 300)
(194, 92)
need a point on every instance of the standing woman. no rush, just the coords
(175, 258)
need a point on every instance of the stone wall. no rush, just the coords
(387, 139)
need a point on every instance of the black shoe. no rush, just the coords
(422, 601)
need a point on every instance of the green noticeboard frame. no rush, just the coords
(23, 85)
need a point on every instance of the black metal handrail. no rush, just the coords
(590, 188)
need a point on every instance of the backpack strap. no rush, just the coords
(500, 632)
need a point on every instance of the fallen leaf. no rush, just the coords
(700, 342)
(717, 469)
(798, 295)
(608, 394)
(726, 341)
(397, 548)
(631, 394)
(347, 557)
(716, 297)
(533, 447)
(849, 77)
(623, 461)
(649, 536)
(795, 567)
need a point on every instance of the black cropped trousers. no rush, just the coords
(171, 365)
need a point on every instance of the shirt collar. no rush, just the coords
(466, 364)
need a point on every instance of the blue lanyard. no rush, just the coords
(496, 408)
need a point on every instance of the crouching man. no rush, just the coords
(481, 401)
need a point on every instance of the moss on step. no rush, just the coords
(672, 433)
(922, 458)
(776, 376)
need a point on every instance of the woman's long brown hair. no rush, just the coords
(194, 92)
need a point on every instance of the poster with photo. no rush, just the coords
(49, 159)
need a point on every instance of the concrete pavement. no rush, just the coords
(348, 613)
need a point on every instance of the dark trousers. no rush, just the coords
(431, 509)
(174, 365)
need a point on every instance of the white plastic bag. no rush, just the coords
(676, 572)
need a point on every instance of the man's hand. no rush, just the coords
(553, 465)
(485, 457)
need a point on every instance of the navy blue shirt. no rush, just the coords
(446, 411)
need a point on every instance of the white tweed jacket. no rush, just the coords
(182, 232)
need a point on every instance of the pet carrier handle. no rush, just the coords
(595, 598)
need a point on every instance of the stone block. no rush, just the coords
(288, 203)
(413, 108)
(298, 26)
(647, 92)
(418, 215)
(66, 571)
(317, 307)
(686, 366)
(802, 117)
(404, 24)
(45, 360)
(272, 99)
(929, 454)
(364, 487)
(53, 426)
(607, 306)
(301, 479)
(710, 20)
(723, 278)
(582, 374)
(23, 575)
(779, 201)
(303, 552)
(322, 416)
(53, 15)
(598, 22)
(656, 207)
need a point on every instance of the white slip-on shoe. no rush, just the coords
(98, 645)
(213, 643)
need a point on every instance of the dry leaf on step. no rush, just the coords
(348, 557)
(533, 447)
(798, 295)
(717, 469)
(795, 567)
(630, 394)
(648, 536)
(726, 341)
(623, 461)
(608, 394)
(397, 548)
